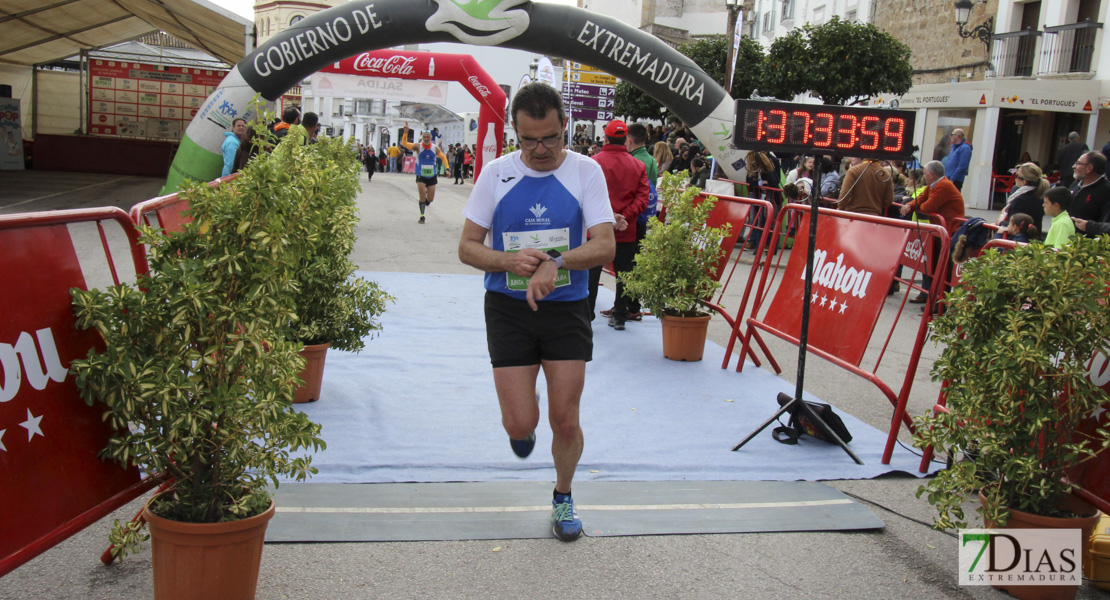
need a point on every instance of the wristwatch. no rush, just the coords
(557, 257)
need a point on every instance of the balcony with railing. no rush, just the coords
(1014, 53)
(1069, 49)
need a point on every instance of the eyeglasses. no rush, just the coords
(552, 141)
(1081, 164)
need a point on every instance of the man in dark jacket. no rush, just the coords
(626, 178)
(1067, 157)
(1091, 190)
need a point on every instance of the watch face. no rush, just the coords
(802, 128)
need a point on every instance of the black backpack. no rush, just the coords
(801, 424)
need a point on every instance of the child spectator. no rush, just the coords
(1056, 203)
(1021, 228)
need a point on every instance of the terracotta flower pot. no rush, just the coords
(313, 374)
(1023, 520)
(207, 561)
(684, 337)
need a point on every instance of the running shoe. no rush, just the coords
(564, 520)
(421, 221)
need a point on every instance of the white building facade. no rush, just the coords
(1048, 75)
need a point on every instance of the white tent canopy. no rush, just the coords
(35, 32)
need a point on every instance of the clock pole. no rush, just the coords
(795, 406)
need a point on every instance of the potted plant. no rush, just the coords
(674, 269)
(1019, 335)
(197, 378)
(334, 308)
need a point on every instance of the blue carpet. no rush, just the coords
(418, 405)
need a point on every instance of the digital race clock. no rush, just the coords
(792, 128)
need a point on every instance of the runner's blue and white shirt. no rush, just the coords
(524, 208)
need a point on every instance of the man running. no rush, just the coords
(536, 207)
(426, 155)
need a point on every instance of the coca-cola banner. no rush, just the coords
(853, 267)
(378, 88)
(404, 66)
(353, 27)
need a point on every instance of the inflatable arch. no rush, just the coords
(346, 30)
(437, 66)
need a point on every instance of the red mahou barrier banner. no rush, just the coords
(851, 276)
(50, 470)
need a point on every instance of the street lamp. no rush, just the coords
(983, 32)
(533, 68)
(733, 7)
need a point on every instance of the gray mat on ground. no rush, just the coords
(315, 512)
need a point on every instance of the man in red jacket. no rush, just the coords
(940, 197)
(626, 178)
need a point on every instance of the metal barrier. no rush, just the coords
(855, 259)
(733, 211)
(169, 212)
(51, 477)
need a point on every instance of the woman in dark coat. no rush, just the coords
(1027, 196)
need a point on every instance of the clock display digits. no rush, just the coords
(868, 128)
(890, 133)
(780, 116)
(826, 129)
(803, 128)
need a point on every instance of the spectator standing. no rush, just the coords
(804, 169)
(830, 179)
(700, 174)
(663, 156)
(290, 117)
(868, 189)
(959, 159)
(1091, 190)
(1068, 156)
(457, 164)
(311, 124)
(249, 146)
(627, 182)
(394, 154)
(232, 140)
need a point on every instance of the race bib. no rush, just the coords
(543, 240)
(427, 170)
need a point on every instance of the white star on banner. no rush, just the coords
(32, 425)
(2, 447)
(1095, 414)
(843, 305)
(822, 300)
(813, 299)
(832, 305)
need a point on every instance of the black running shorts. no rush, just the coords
(428, 181)
(518, 336)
